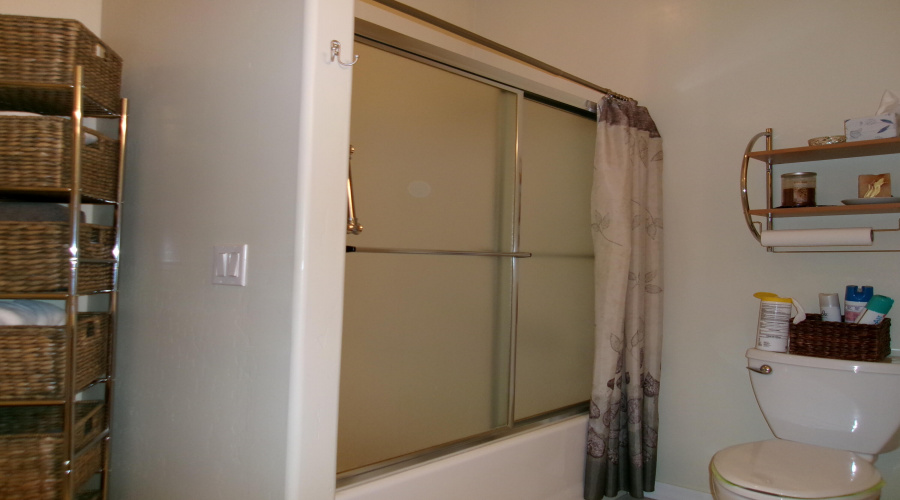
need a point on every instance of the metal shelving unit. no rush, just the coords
(83, 468)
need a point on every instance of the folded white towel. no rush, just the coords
(89, 138)
(31, 312)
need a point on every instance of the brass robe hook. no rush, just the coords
(336, 55)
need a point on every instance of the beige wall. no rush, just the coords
(85, 11)
(203, 369)
(713, 74)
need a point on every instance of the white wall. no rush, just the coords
(229, 392)
(713, 74)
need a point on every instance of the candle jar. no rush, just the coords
(798, 189)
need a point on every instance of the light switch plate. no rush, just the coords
(230, 265)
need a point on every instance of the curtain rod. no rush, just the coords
(485, 42)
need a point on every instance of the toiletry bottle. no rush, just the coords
(773, 329)
(878, 306)
(855, 301)
(830, 306)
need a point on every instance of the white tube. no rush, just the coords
(851, 236)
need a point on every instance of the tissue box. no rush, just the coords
(873, 127)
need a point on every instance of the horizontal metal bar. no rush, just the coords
(410, 251)
(490, 44)
(35, 402)
(34, 296)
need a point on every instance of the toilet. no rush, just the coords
(831, 419)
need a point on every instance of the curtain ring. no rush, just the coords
(336, 55)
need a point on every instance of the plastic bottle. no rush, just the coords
(855, 301)
(878, 306)
(830, 306)
(773, 329)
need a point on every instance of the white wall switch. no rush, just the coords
(230, 265)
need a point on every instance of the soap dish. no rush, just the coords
(828, 139)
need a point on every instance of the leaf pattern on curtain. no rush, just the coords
(626, 208)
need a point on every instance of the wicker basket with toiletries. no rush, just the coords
(836, 340)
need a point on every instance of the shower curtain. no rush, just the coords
(626, 223)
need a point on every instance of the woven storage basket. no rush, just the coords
(32, 449)
(34, 257)
(832, 339)
(38, 51)
(36, 153)
(33, 358)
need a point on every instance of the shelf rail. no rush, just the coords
(745, 166)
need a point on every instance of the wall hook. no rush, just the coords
(336, 55)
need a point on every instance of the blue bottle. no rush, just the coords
(855, 300)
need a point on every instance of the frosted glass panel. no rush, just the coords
(423, 343)
(557, 156)
(425, 357)
(432, 149)
(554, 343)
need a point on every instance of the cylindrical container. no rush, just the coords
(876, 309)
(830, 306)
(773, 330)
(798, 189)
(855, 299)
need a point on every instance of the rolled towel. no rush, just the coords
(10, 317)
(31, 312)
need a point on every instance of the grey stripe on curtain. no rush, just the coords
(626, 223)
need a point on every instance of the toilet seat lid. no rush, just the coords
(796, 469)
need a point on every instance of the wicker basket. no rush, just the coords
(33, 358)
(832, 339)
(32, 449)
(36, 153)
(34, 257)
(37, 51)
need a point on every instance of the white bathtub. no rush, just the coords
(543, 464)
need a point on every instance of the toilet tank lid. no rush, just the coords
(890, 365)
(795, 469)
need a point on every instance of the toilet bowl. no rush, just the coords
(778, 469)
(831, 418)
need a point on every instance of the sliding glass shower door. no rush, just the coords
(432, 282)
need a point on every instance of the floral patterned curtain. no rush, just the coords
(626, 209)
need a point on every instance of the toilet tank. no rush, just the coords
(846, 405)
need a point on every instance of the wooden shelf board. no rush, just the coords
(886, 208)
(830, 152)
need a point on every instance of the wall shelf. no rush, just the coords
(842, 151)
(826, 210)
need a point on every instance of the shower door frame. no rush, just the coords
(511, 426)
